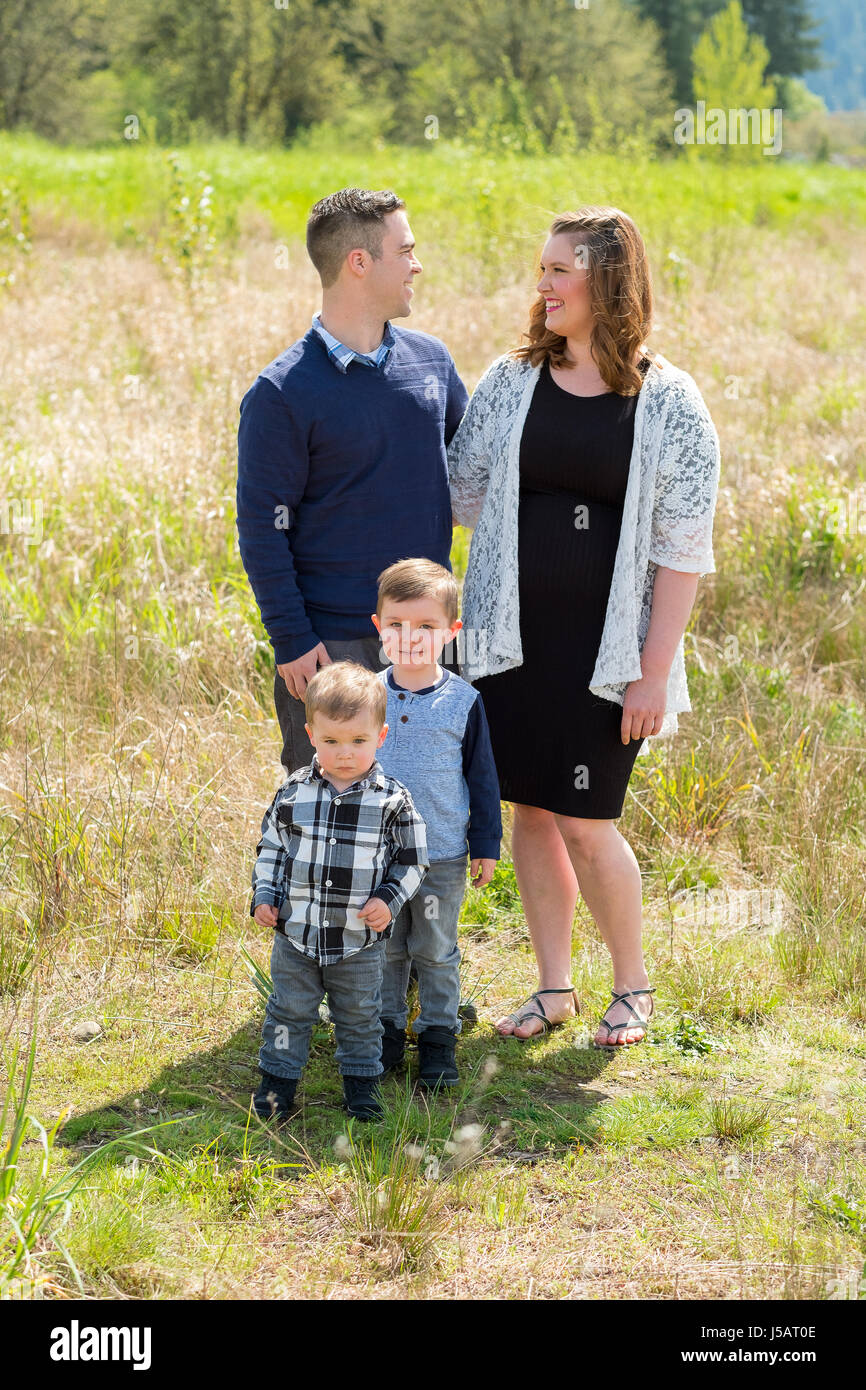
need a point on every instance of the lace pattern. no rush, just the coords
(667, 520)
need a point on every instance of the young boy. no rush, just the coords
(438, 745)
(343, 849)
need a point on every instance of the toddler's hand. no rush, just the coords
(375, 914)
(481, 871)
(266, 915)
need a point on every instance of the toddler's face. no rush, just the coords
(415, 631)
(346, 747)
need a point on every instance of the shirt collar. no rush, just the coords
(373, 778)
(427, 688)
(341, 355)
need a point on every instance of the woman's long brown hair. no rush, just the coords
(620, 298)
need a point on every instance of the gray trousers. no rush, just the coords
(297, 749)
(426, 932)
(354, 989)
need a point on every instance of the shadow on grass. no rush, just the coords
(539, 1093)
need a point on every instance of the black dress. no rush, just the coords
(555, 744)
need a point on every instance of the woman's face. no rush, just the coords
(563, 283)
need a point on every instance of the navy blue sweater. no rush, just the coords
(340, 475)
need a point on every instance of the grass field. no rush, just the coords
(138, 749)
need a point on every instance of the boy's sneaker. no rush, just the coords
(275, 1097)
(436, 1064)
(362, 1097)
(393, 1045)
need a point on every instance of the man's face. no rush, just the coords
(390, 278)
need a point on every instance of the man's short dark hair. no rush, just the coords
(345, 220)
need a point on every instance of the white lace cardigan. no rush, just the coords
(667, 519)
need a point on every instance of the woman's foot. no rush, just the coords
(557, 1006)
(624, 1027)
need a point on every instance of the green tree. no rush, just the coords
(789, 30)
(540, 68)
(44, 49)
(235, 67)
(786, 26)
(680, 23)
(729, 67)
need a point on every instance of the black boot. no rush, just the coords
(362, 1097)
(275, 1097)
(393, 1046)
(436, 1064)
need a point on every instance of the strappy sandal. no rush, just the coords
(612, 1027)
(518, 1018)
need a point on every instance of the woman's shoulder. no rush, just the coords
(678, 407)
(504, 368)
(670, 380)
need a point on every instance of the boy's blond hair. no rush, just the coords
(417, 578)
(343, 690)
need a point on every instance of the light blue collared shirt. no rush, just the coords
(341, 355)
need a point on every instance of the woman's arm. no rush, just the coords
(673, 599)
(643, 707)
(470, 455)
(681, 547)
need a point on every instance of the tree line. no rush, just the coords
(521, 73)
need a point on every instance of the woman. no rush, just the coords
(588, 466)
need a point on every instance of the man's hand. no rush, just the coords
(298, 673)
(375, 913)
(643, 707)
(266, 915)
(481, 871)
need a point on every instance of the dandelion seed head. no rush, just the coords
(489, 1068)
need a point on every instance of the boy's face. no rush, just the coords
(414, 631)
(346, 747)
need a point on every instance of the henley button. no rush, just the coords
(401, 697)
(404, 718)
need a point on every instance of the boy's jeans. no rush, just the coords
(426, 932)
(354, 989)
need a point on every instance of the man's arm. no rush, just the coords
(407, 836)
(482, 780)
(273, 466)
(455, 404)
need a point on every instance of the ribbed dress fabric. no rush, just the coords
(556, 745)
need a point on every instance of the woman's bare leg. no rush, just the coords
(610, 884)
(548, 889)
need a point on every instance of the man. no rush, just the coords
(342, 468)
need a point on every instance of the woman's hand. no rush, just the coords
(643, 707)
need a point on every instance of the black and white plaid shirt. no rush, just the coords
(323, 853)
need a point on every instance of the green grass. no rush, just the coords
(723, 1157)
(123, 191)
